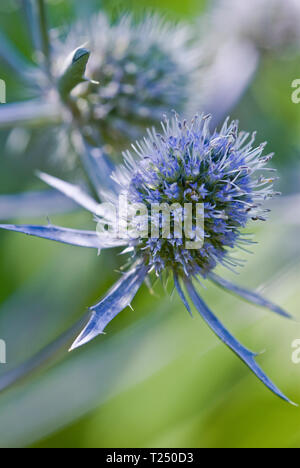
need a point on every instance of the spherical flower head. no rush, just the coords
(189, 166)
(143, 70)
(185, 165)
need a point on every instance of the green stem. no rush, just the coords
(27, 7)
(43, 33)
(35, 12)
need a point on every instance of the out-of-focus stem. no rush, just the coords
(30, 114)
(27, 6)
(35, 12)
(228, 78)
(34, 204)
(43, 34)
(97, 165)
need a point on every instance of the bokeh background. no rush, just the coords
(157, 378)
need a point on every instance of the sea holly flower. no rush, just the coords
(102, 83)
(142, 70)
(222, 175)
(136, 72)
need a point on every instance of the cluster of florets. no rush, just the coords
(143, 71)
(188, 164)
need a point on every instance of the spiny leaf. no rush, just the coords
(249, 296)
(119, 297)
(244, 354)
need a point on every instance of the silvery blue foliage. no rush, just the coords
(186, 163)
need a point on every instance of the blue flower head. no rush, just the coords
(142, 69)
(222, 174)
(131, 73)
(188, 165)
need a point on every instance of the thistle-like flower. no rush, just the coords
(142, 71)
(136, 72)
(217, 181)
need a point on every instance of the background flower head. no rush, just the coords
(143, 70)
(108, 81)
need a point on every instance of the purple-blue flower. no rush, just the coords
(143, 69)
(223, 172)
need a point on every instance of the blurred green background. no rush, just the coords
(157, 378)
